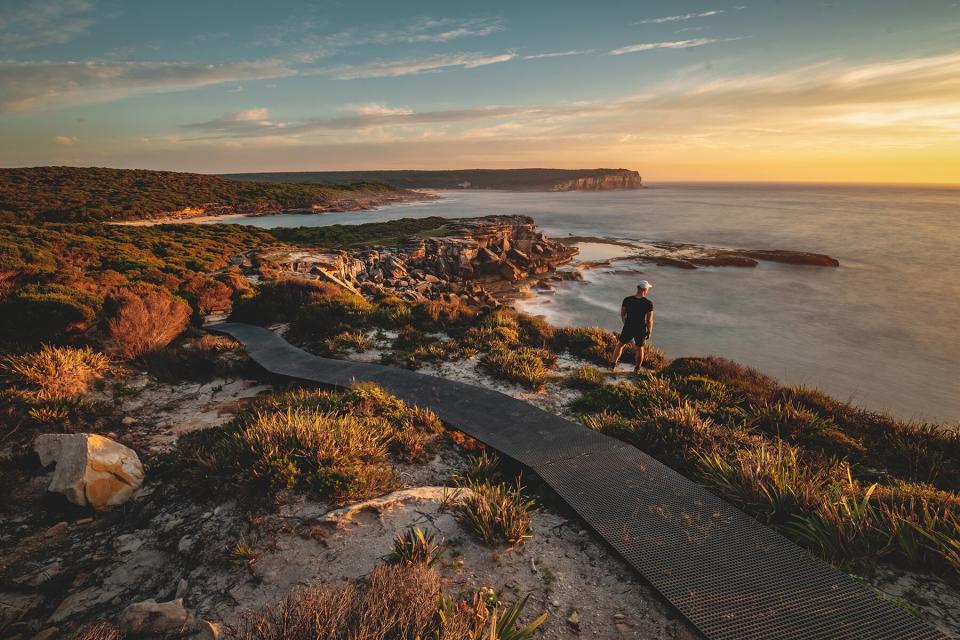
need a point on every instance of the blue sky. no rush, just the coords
(840, 90)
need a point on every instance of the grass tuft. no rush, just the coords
(56, 373)
(495, 513)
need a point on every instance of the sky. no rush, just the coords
(842, 91)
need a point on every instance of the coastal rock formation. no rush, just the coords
(91, 470)
(151, 618)
(473, 258)
(615, 179)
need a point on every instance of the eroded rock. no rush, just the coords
(151, 617)
(90, 469)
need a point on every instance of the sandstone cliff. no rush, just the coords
(615, 179)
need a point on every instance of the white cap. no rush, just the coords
(644, 284)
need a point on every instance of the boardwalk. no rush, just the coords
(731, 577)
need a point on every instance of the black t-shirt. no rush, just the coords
(637, 310)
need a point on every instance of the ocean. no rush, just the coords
(882, 331)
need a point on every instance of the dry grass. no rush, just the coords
(144, 320)
(398, 602)
(56, 373)
(100, 631)
(338, 445)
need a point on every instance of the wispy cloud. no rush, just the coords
(66, 141)
(674, 44)
(377, 109)
(306, 35)
(680, 18)
(41, 23)
(410, 66)
(559, 54)
(26, 85)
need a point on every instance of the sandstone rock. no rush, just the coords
(47, 634)
(152, 617)
(91, 470)
(574, 620)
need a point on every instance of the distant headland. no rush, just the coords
(507, 179)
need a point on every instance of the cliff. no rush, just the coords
(618, 179)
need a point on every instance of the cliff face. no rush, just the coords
(619, 179)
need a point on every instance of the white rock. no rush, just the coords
(91, 469)
(152, 617)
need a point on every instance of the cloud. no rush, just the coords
(675, 44)
(377, 109)
(559, 54)
(64, 140)
(26, 85)
(40, 23)
(682, 17)
(411, 66)
(301, 33)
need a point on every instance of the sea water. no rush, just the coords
(883, 330)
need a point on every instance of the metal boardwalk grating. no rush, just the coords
(730, 576)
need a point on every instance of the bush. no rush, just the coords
(787, 421)
(495, 513)
(47, 312)
(585, 379)
(523, 365)
(756, 387)
(628, 399)
(207, 295)
(56, 373)
(592, 344)
(326, 317)
(344, 341)
(143, 320)
(281, 300)
(535, 331)
(199, 359)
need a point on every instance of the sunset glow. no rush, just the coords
(858, 92)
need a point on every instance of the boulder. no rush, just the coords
(91, 470)
(154, 618)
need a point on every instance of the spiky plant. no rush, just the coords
(416, 546)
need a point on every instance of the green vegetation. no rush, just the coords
(396, 602)
(362, 235)
(495, 513)
(854, 486)
(338, 446)
(74, 194)
(511, 179)
(415, 546)
(524, 365)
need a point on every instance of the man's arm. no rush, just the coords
(623, 313)
(650, 324)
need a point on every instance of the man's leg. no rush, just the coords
(617, 352)
(639, 356)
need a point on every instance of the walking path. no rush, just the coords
(730, 576)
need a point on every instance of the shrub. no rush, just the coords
(523, 365)
(56, 373)
(329, 316)
(483, 467)
(756, 387)
(632, 400)
(47, 312)
(207, 295)
(535, 331)
(281, 300)
(495, 513)
(390, 312)
(199, 359)
(585, 379)
(144, 319)
(588, 343)
(415, 546)
(348, 341)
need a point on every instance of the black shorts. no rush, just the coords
(631, 334)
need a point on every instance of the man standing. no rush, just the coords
(637, 315)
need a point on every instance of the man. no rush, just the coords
(637, 315)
